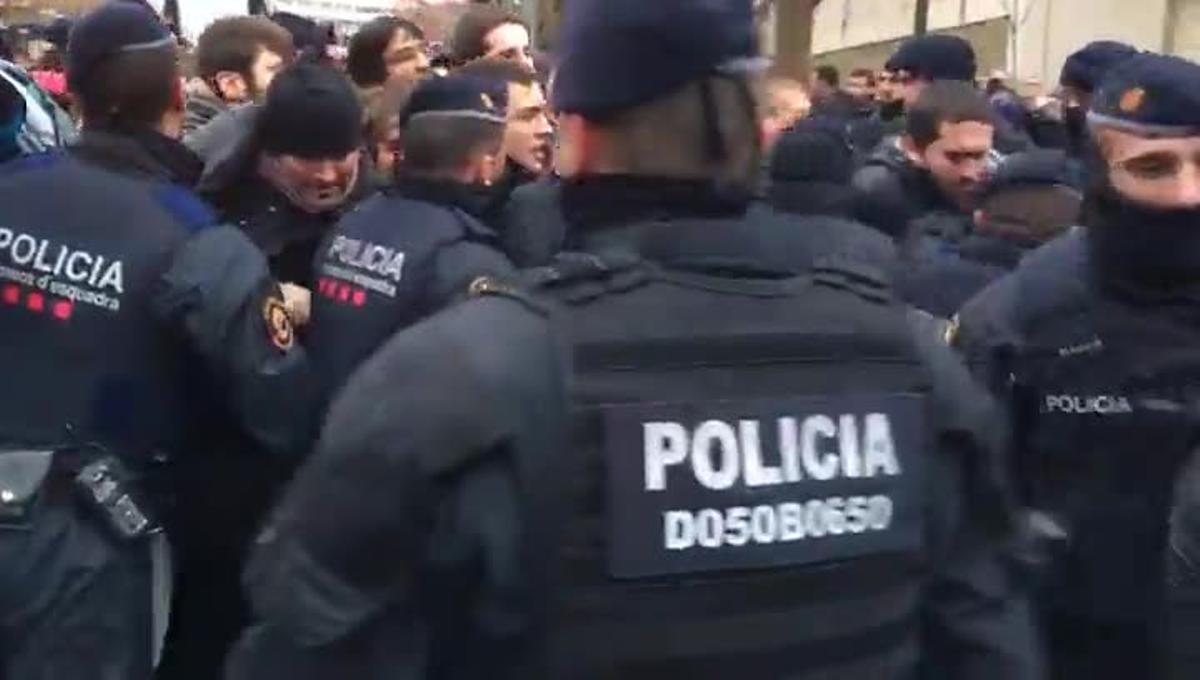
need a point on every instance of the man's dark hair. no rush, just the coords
(129, 89)
(499, 70)
(829, 75)
(945, 101)
(233, 43)
(364, 62)
(443, 145)
(473, 27)
(865, 73)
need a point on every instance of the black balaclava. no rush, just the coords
(1075, 121)
(1135, 244)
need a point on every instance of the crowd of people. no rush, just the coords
(635, 359)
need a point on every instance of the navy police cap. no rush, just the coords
(1150, 95)
(1086, 68)
(618, 54)
(112, 29)
(458, 96)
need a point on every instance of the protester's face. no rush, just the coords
(529, 137)
(885, 87)
(406, 57)
(509, 42)
(1159, 173)
(387, 150)
(861, 89)
(318, 184)
(958, 160)
(266, 66)
(786, 108)
(909, 88)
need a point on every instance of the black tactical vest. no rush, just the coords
(1107, 408)
(83, 357)
(375, 273)
(743, 493)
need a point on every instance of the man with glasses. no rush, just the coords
(1092, 344)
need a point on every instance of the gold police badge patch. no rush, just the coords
(1131, 101)
(279, 324)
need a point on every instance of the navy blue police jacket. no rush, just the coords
(945, 265)
(1100, 385)
(397, 258)
(126, 308)
(375, 582)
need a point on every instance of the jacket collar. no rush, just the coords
(140, 152)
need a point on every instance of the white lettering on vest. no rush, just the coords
(1104, 405)
(818, 447)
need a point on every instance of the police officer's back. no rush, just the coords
(1091, 343)
(408, 251)
(123, 307)
(756, 486)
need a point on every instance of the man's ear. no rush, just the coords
(577, 148)
(911, 151)
(179, 96)
(231, 86)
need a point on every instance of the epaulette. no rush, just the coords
(854, 276)
(186, 207)
(576, 278)
(513, 288)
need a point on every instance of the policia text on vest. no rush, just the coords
(697, 487)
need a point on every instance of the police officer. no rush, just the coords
(743, 495)
(1082, 73)
(1091, 343)
(124, 307)
(1032, 198)
(410, 250)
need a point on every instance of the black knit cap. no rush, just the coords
(936, 57)
(311, 112)
(112, 29)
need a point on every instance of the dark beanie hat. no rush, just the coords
(114, 28)
(312, 112)
(1086, 68)
(816, 150)
(935, 57)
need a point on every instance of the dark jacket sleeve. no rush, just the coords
(977, 620)
(415, 476)
(532, 227)
(883, 201)
(1183, 574)
(219, 295)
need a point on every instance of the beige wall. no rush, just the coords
(1185, 35)
(862, 32)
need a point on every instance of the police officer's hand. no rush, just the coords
(298, 301)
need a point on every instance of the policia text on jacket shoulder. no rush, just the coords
(1091, 342)
(768, 476)
(122, 307)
